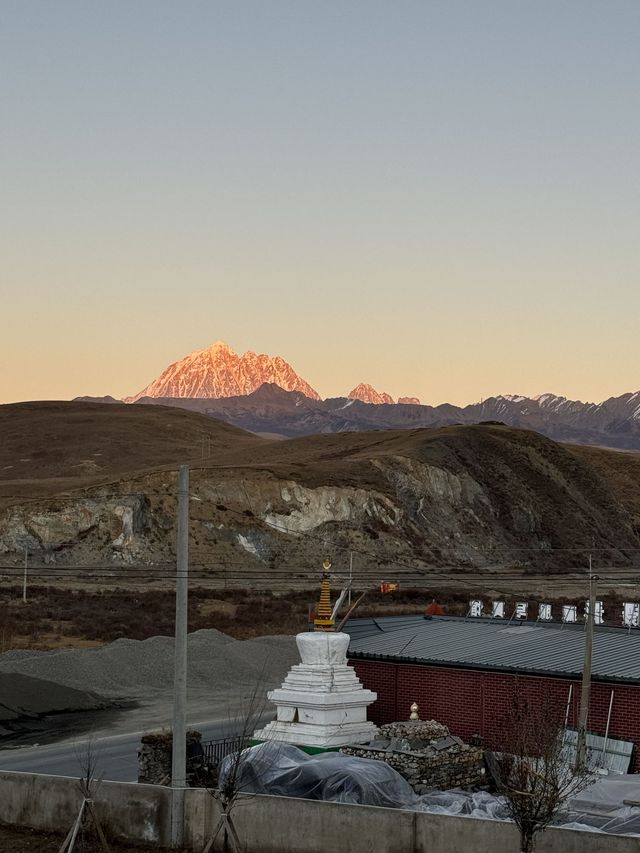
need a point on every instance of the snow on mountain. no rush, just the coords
(409, 401)
(554, 402)
(367, 394)
(220, 372)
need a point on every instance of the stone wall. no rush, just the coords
(154, 757)
(426, 754)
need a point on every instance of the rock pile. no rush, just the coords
(415, 730)
(154, 756)
(426, 754)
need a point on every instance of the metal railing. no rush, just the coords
(215, 750)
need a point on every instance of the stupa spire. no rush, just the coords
(323, 620)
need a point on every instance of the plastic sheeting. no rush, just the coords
(279, 768)
(609, 792)
(468, 803)
(621, 820)
(282, 769)
(600, 808)
(605, 805)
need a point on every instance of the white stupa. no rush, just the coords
(321, 702)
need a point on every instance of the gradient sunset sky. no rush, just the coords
(439, 198)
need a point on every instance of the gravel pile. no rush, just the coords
(23, 696)
(135, 669)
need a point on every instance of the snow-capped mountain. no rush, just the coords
(368, 394)
(220, 372)
(269, 409)
(263, 393)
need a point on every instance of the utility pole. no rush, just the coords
(581, 741)
(179, 749)
(24, 582)
(350, 577)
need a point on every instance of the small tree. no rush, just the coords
(227, 793)
(88, 783)
(536, 776)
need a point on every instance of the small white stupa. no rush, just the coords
(321, 702)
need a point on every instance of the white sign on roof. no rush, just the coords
(476, 607)
(631, 614)
(544, 613)
(598, 616)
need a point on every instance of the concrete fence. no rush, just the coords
(135, 812)
(142, 813)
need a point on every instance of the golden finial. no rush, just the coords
(323, 620)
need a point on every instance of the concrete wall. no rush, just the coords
(444, 834)
(136, 812)
(276, 824)
(284, 825)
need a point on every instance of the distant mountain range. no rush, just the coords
(272, 410)
(264, 394)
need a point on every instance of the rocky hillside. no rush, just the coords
(85, 484)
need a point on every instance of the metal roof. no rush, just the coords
(531, 647)
(368, 627)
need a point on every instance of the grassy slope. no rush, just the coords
(46, 447)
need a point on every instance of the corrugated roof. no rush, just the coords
(484, 644)
(368, 627)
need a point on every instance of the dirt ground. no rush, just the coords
(15, 839)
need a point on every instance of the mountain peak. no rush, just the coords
(219, 372)
(368, 394)
(221, 347)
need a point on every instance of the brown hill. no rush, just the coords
(49, 446)
(88, 484)
(550, 495)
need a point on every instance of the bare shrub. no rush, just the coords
(535, 776)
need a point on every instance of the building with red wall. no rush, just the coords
(467, 673)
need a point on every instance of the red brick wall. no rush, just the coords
(475, 702)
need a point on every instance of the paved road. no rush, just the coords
(116, 756)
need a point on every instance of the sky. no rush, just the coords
(440, 198)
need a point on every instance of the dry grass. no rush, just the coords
(48, 447)
(92, 618)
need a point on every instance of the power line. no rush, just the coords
(585, 549)
(329, 542)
